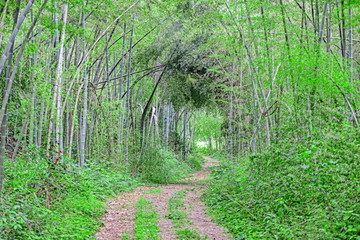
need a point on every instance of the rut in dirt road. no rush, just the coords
(181, 214)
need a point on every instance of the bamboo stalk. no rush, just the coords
(85, 102)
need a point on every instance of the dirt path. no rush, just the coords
(120, 217)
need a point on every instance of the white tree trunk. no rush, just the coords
(84, 120)
(58, 82)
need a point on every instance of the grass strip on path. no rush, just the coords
(146, 221)
(180, 219)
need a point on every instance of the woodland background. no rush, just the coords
(100, 96)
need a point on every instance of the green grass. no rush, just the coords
(180, 219)
(146, 221)
(187, 234)
(125, 236)
(177, 209)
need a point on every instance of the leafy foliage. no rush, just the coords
(308, 190)
(65, 203)
(159, 166)
(190, 81)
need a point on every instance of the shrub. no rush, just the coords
(66, 203)
(303, 191)
(160, 166)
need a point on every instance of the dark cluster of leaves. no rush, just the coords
(190, 82)
(150, 54)
(191, 8)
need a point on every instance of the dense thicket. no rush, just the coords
(121, 84)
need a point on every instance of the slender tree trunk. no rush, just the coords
(115, 81)
(163, 125)
(19, 55)
(168, 122)
(184, 130)
(84, 120)
(329, 32)
(231, 115)
(53, 124)
(41, 120)
(122, 73)
(58, 82)
(73, 123)
(18, 142)
(2, 21)
(13, 36)
(343, 26)
(128, 98)
(33, 119)
(3, 116)
(111, 130)
(3, 133)
(107, 65)
(33, 115)
(351, 56)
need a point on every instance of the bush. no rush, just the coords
(303, 191)
(160, 166)
(195, 161)
(66, 203)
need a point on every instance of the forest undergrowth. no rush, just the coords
(43, 203)
(294, 190)
(67, 202)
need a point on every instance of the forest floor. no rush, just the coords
(177, 208)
